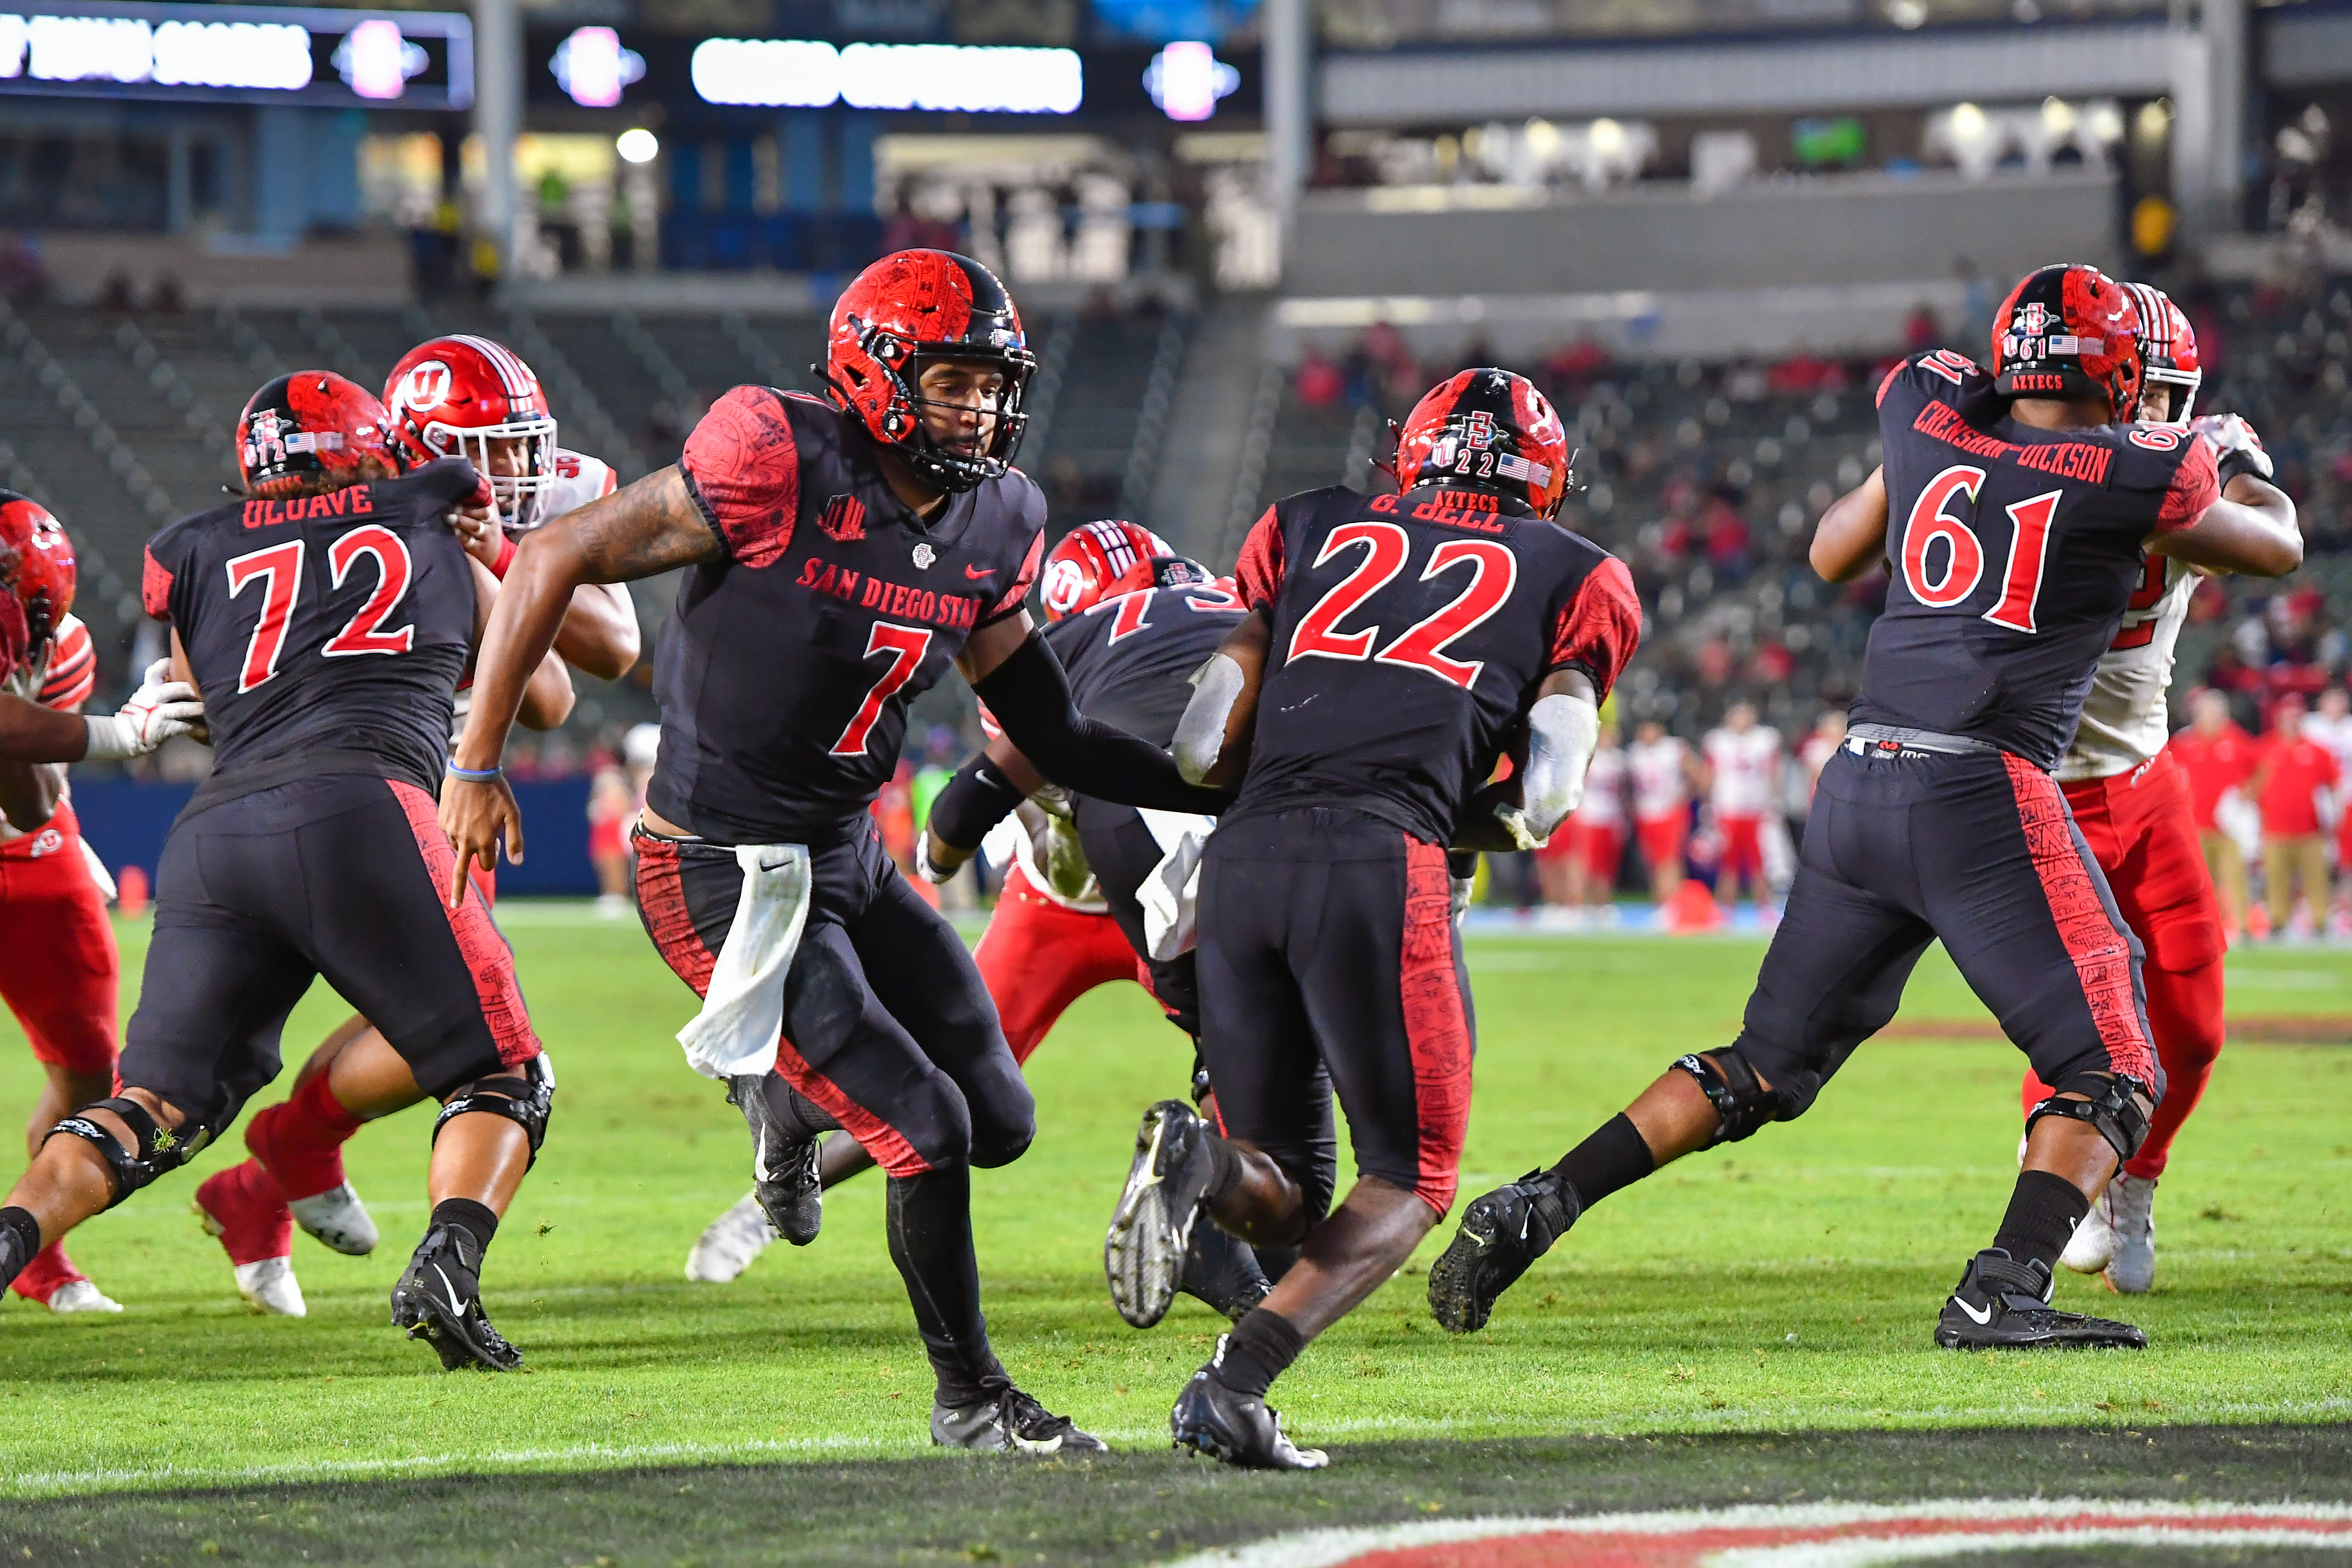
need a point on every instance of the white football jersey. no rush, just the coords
(2335, 734)
(1745, 766)
(579, 479)
(1659, 777)
(2124, 721)
(1605, 790)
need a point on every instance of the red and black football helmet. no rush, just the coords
(2168, 348)
(311, 426)
(2069, 330)
(912, 309)
(1099, 561)
(37, 568)
(453, 397)
(1487, 430)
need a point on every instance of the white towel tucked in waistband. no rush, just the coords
(743, 1012)
(1168, 892)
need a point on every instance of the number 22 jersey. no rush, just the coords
(2014, 554)
(1409, 634)
(325, 631)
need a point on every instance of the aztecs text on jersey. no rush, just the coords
(1409, 634)
(786, 672)
(2014, 554)
(335, 622)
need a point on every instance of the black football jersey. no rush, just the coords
(328, 623)
(1409, 634)
(786, 672)
(2012, 553)
(1131, 659)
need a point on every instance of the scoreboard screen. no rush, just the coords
(248, 54)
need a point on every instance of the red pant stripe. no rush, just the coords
(487, 958)
(879, 1138)
(2101, 952)
(661, 894)
(1436, 1025)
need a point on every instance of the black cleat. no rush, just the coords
(1222, 1273)
(1235, 1429)
(439, 1300)
(1010, 1422)
(783, 1153)
(1151, 1230)
(2002, 1303)
(1502, 1233)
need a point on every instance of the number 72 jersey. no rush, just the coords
(337, 621)
(1409, 634)
(2014, 554)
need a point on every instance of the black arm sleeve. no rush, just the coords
(1030, 695)
(975, 800)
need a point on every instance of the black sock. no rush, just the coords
(930, 1241)
(474, 1219)
(19, 1227)
(1614, 1157)
(1260, 1349)
(2042, 1214)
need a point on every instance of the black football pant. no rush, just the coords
(888, 1029)
(1981, 851)
(1122, 853)
(343, 877)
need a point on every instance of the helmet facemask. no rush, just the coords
(903, 420)
(520, 498)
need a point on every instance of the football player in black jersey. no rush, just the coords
(842, 551)
(1398, 647)
(2027, 512)
(327, 617)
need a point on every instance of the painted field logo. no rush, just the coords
(1818, 1536)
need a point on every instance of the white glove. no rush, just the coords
(33, 673)
(161, 709)
(1515, 822)
(2235, 443)
(1457, 903)
(923, 866)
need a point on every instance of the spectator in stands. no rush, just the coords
(611, 803)
(24, 275)
(1921, 330)
(2218, 758)
(2295, 781)
(1728, 537)
(1574, 367)
(115, 296)
(1320, 383)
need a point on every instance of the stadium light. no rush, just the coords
(1186, 79)
(593, 67)
(375, 60)
(90, 49)
(180, 51)
(232, 54)
(798, 73)
(638, 146)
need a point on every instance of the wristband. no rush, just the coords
(2236, 462)
(473, 775)
(506, 556)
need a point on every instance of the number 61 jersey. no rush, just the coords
(325, 623)
(1409, 634)
(2014, 554)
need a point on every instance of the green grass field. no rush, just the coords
(1786, 1284)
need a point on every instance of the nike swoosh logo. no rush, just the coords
(1980, 1319)
(976, 573)
(759, 1165)
(1152, 1158)
(454, 1305)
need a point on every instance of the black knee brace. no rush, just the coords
(2113, 1108)
(524, 1100)
(160, 1148)
(1730, 1086)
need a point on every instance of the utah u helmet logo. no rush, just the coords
(424, 386)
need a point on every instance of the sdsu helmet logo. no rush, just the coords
(1066, 584)
(424, 386)
(2031, 318)
(1479, 432)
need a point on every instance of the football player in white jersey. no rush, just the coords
(1663, 771)
(1596, 830)
(450, 396)
(2130, 802)
(2331, 726)
(1743, 764)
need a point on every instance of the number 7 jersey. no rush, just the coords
(2014, 554)
(335, 622)
(1409, 634)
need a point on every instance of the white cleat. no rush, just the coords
(336, 1219)
(2130, 1202)
(81, 1296)
(271, 1286)
(728, 1244)
(2093, 1241)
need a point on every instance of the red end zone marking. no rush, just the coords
(1826, 1536)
